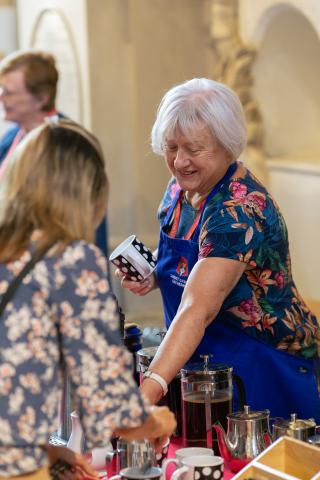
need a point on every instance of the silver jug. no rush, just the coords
(294, 427)
(247, 436)
(314, 440)
(132, 453)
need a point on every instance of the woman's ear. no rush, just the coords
(42, 100)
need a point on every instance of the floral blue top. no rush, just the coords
(242, 222)
(63, 310)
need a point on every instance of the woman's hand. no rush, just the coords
(159, 414)
(159, 425)
(138, 288)
(79, 467)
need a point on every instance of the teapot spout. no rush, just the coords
(225, 447)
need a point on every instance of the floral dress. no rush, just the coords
(62, 316)
(242, 222)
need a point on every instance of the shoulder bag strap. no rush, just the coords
(18, 279)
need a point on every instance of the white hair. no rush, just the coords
(201, 101)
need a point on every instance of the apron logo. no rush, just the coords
(182, 268)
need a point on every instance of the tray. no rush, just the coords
(287, 458)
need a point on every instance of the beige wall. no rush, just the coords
(74, 21)
(286, 72)
(138, 49)
(8, 39)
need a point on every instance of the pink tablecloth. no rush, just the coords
(175, 444)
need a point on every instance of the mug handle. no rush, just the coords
(180, 471)
(166, 463)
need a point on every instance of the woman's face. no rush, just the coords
(197, 161)
(19, 104)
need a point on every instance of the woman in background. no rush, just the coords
(63, 316)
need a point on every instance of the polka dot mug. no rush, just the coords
(134, 259)
(200, 467)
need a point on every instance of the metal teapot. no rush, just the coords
(247, 436)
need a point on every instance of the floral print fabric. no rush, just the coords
(62, 314)
(242, 222)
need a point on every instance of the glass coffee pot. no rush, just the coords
(207, 397)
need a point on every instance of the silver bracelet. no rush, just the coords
(158, 379)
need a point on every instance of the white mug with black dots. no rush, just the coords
(182, 453)
(200, 467)
(134, 259)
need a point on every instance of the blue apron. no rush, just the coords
(273, 379)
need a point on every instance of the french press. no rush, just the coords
(207, 397)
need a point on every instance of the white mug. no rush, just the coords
(134, 259)
(98, 459)
(182, 453)
(200, 467)
(192, 451)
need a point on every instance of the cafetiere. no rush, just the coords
(207, 397)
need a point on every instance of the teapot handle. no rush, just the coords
(242, 397)
(267, 438)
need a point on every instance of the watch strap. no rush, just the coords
(157, 378)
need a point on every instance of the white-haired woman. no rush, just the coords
(223, 260)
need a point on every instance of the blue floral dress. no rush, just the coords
(243, 222)
(63, 313)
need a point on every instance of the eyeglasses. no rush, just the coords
(5, 92)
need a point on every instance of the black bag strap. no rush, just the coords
(18, 279)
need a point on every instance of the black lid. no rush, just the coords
(246, 414)
(148, 352)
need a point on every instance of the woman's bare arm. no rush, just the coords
(209, 283)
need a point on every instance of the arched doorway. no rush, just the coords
(286, 73)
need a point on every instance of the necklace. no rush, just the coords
(195, 201)
(185, 197)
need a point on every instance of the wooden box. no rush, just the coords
(288, 459)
